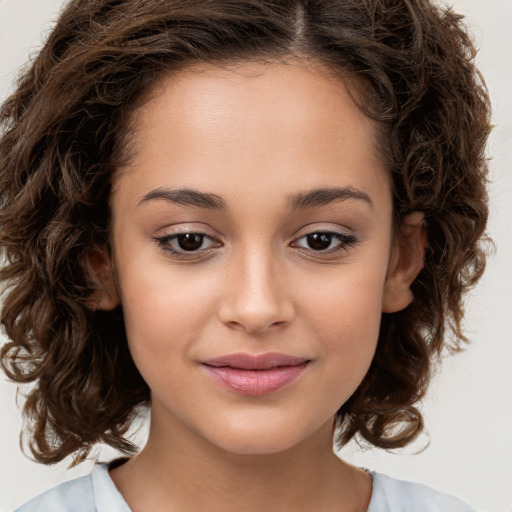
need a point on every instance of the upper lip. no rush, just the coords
(255, 362)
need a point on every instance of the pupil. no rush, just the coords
(190, 241)
(319, 241)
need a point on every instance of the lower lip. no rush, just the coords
(255, 382)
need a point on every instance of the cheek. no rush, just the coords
(348, 299)
(345, 316)
(160, 305)
(350, 327)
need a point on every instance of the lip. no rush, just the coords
(255, 375)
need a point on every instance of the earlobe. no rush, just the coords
(405, 264)
(99, 266)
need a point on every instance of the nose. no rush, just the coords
(256, 297)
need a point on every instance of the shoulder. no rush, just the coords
(392, 495)
(73, 496)
(92, 493)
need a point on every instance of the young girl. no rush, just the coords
(256, 218)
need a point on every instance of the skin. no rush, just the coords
(258, 137)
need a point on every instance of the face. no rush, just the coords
(252, 252)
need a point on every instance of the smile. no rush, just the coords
(255, 375)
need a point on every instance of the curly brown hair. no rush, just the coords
(64, 133)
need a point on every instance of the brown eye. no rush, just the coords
(319, 241)
(325, 242)
(187, 243)
(190, 241)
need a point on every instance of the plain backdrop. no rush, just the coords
(469, 407)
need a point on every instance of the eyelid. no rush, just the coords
(319, 227)
(347, 239)
(184, 228)
(163, 241)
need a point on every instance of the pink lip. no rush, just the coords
(255, 375)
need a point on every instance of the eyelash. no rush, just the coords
(345, 242)
(165, 243)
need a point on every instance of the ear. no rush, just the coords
(99, 266)
(405, 263)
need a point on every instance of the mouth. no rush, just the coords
(255, 375)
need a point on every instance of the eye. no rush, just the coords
(187, 243)
(325, 241)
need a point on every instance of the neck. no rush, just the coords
(178, 471)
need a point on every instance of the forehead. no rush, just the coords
(292, 125)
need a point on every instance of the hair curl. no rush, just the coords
(64, 134)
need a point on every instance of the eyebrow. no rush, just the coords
(186, 197)
(300, 201)
(324, 196)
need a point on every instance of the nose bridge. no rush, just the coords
(255, 298)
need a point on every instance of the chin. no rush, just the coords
(260, 437)
(257, 445)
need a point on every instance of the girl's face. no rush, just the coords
(252, 252)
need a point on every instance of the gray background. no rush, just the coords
(468, 409)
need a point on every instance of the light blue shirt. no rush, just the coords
(97, 493)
